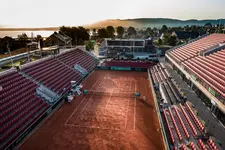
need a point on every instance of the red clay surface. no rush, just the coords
(103, 122)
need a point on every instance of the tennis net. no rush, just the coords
(122, 94)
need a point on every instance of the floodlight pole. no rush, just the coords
(28, 53)
(8, 48)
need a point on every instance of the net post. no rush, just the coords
(85, 92)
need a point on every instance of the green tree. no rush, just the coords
(131, 31)
(110, 31)
(170, 40)
(6, 41)
(78, 34)
(22, 36)
(208, 25)
(120, 31)
(160, 41)
(164, 28)
(149, 32)
(102, 33)
(89, 45)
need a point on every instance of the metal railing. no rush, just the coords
(166, 145)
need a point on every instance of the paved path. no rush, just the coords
(214, 126)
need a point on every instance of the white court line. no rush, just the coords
(80, 102)
(135, 105)
(87, 102)
(128, 106)
(109, 98)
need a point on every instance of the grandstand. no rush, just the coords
(201, 63)
(183, 128)
(29, 94)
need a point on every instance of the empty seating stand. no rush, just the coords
(191, 50)
(53, 74)
(19, 107)
(183, 139)
(210, 69)
(80, 57)
(212, 145)
(167, 123)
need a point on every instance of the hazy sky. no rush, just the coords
(37, 13)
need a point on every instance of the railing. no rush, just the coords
(166, 145)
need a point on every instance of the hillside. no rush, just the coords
(137, 23)
(152, 22)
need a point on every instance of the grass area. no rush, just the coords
(15, 52)
(16, 63)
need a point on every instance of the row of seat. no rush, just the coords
(192, 146)
(26, 120)
(191, 49)
(211, 74)
(19, 105)
(210, 69)
(182, 143)
(50, 75)
(78, 57)
(188, 120)
(182, 123)
(196, 120)
(175, 125)
(158, 74)
(7, 77)
(201, 145)
(167, 123)
(208, 80)
(212, 145)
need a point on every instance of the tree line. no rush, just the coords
(81, 36)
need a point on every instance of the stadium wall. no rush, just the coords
(115, 68)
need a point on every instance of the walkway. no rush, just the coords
(212, 123)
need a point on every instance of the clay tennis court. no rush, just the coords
(103, 121)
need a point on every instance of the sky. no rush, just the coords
(51, 13)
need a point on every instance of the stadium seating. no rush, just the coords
(190, 50)
(188, 120)
(201, 145)
(158, 73)
(19, 106)
(167, 123)
(196, 120)
(78, 57)
(210, 69)
(175, 125)
(53, 74)
(212, 145)
(182, 123)
(192, 146)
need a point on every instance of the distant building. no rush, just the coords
(58, 39)
(111, 47)
(185, 35)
